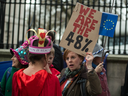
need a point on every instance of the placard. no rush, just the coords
(82, 31)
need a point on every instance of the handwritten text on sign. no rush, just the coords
(77, 44)
(86, 24)
(82, 31)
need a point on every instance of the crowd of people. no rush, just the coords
(37, 70)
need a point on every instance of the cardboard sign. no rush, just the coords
(82, 31)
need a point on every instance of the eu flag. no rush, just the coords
(108, 24)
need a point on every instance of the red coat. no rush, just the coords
(39, 84)
(104, 84)
(54, 71)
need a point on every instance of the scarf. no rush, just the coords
(70, 74)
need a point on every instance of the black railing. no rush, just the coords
(2, 16)
(17, 16)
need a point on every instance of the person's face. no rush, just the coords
(15, 61)
(73, 61)
(97, 60)
(50, 59)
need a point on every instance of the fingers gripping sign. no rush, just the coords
(89, 58)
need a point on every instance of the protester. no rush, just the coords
(58, 59)
(19, 60)
(98, 66)
(79, 79)
(50, 60)
(34, 80)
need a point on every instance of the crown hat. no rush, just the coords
(41, 35)
(21, 53)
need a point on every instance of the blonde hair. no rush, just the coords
(52, 52)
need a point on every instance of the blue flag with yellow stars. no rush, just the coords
(108, 24)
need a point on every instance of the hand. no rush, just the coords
(89, 58)
(47, 69)
(99, 68)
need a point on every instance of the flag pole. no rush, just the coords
(106, 36)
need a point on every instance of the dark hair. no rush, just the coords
(23, 66)
(36, 57)
(50, 33)
(66, 53)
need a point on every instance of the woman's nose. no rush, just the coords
(12, 58)
(70, 59)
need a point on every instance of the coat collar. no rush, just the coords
(83, 74)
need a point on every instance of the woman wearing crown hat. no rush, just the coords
(36, 79)
(19, 60)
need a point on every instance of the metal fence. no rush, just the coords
(17, 16)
